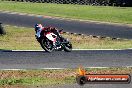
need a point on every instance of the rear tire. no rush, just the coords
(46, 45)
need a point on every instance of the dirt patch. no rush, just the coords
(14, 86)
(37, 73)
(119, 70)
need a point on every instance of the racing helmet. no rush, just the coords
(38, 26)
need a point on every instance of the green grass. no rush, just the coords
(85, 12)
(18, 38)
(86, 42)
(37, 77)
(37, 81)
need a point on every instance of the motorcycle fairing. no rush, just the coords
(50, 36)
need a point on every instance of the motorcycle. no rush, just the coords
(61, 43)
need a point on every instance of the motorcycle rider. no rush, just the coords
(39, 29)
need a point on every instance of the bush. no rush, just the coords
(2, 31)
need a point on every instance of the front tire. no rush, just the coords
(46, 45)
(68, 47)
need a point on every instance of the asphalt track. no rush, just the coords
(60, 59)
(89, 28)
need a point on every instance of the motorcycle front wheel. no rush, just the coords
(68, 47)
(47, 45)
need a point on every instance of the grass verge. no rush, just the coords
(36, 77)
(18, 38)
(52, 77)
(85, 12)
